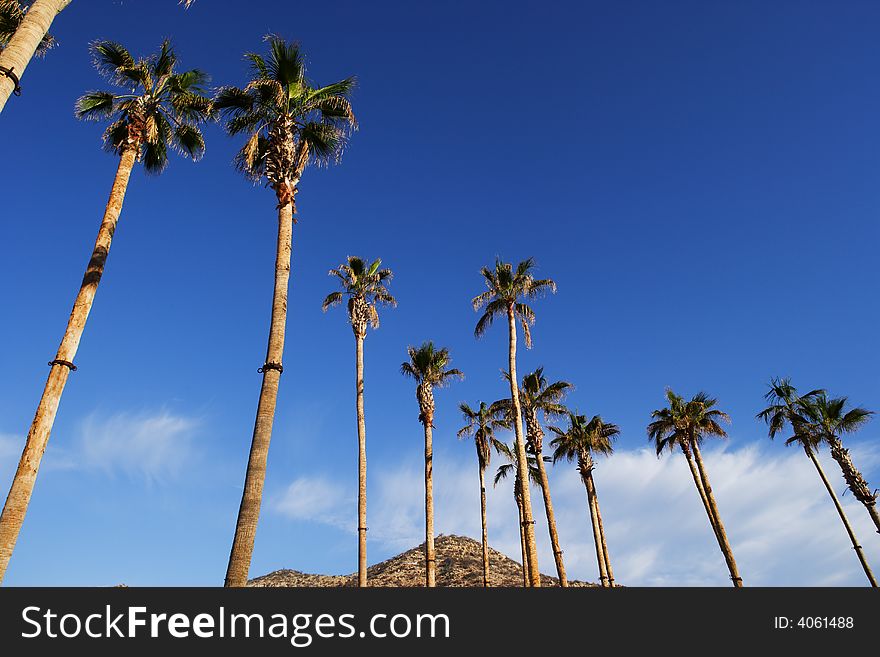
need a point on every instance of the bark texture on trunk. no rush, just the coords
(849, 530)
(252, 496)
(551, 520)
(854, 479)
(720, 533)
(591, 502)
(527, 580)
(528, 522)
(22, 488)
(485, 535)
(24, 43)
(362, 463)
(430, 555)
(605, 554)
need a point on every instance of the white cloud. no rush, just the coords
(314, 498)
(782, 525)
(154, 446)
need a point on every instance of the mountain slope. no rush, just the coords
(459, 563)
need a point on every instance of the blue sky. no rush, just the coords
(700, 178)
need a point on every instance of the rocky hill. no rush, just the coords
(459, 563)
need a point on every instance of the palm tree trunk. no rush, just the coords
(521, 462)
(843, 518)
(19, 497)
(605, 556)
(24, 43)
(362, 465)
(551, 520)
(485, 527)
(854, 479)
(252, 496)
(430, 556)
(719, 526)
(527, 580)
(600, 556)
(708, 507)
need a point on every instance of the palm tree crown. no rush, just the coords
(160, 108)
(506, 287)
(289, 121)
(11, 15)
(505, 469)
(428, 366)
(787, 407)
(829, 417)
(365, 286)
(482, 424)
(537, 396)
(582, 438)
(685, 423)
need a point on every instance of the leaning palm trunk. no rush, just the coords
(485, 527)
(591, 501)
(605, 556)
(551, 520)
(716, 516)
(843, 518)
(707, 505)
(430, 555)
(528, 522)
(249, 511)
(527, 580)
(19, 497)
(362, 463)
(854, 479)
(24, 43)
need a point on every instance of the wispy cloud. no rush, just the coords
(782, 525)
(315, 498)
(151, 445)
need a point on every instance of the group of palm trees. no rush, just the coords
(288, 124)
(154, 108)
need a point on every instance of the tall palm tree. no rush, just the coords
(684, 424)
(481, 425)
(538, 397)
(157, 109)
(579, 441)
(512, 465)
(506, 287)
(365, 287)
(428, 366)
(290, 123)
(800, 412)
(831, 419)
(24, 32)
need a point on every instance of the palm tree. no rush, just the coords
(427, 366)
(579, 441)
(290, 123)
(505, 289)
(684, 424)
(158, 109)
(365, 287)
(503, 471)
(24, 32)
(803, 413)
(831, 419)
(481, 425)
(538, 397)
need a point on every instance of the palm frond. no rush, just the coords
(95, 105)
(332, 299)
